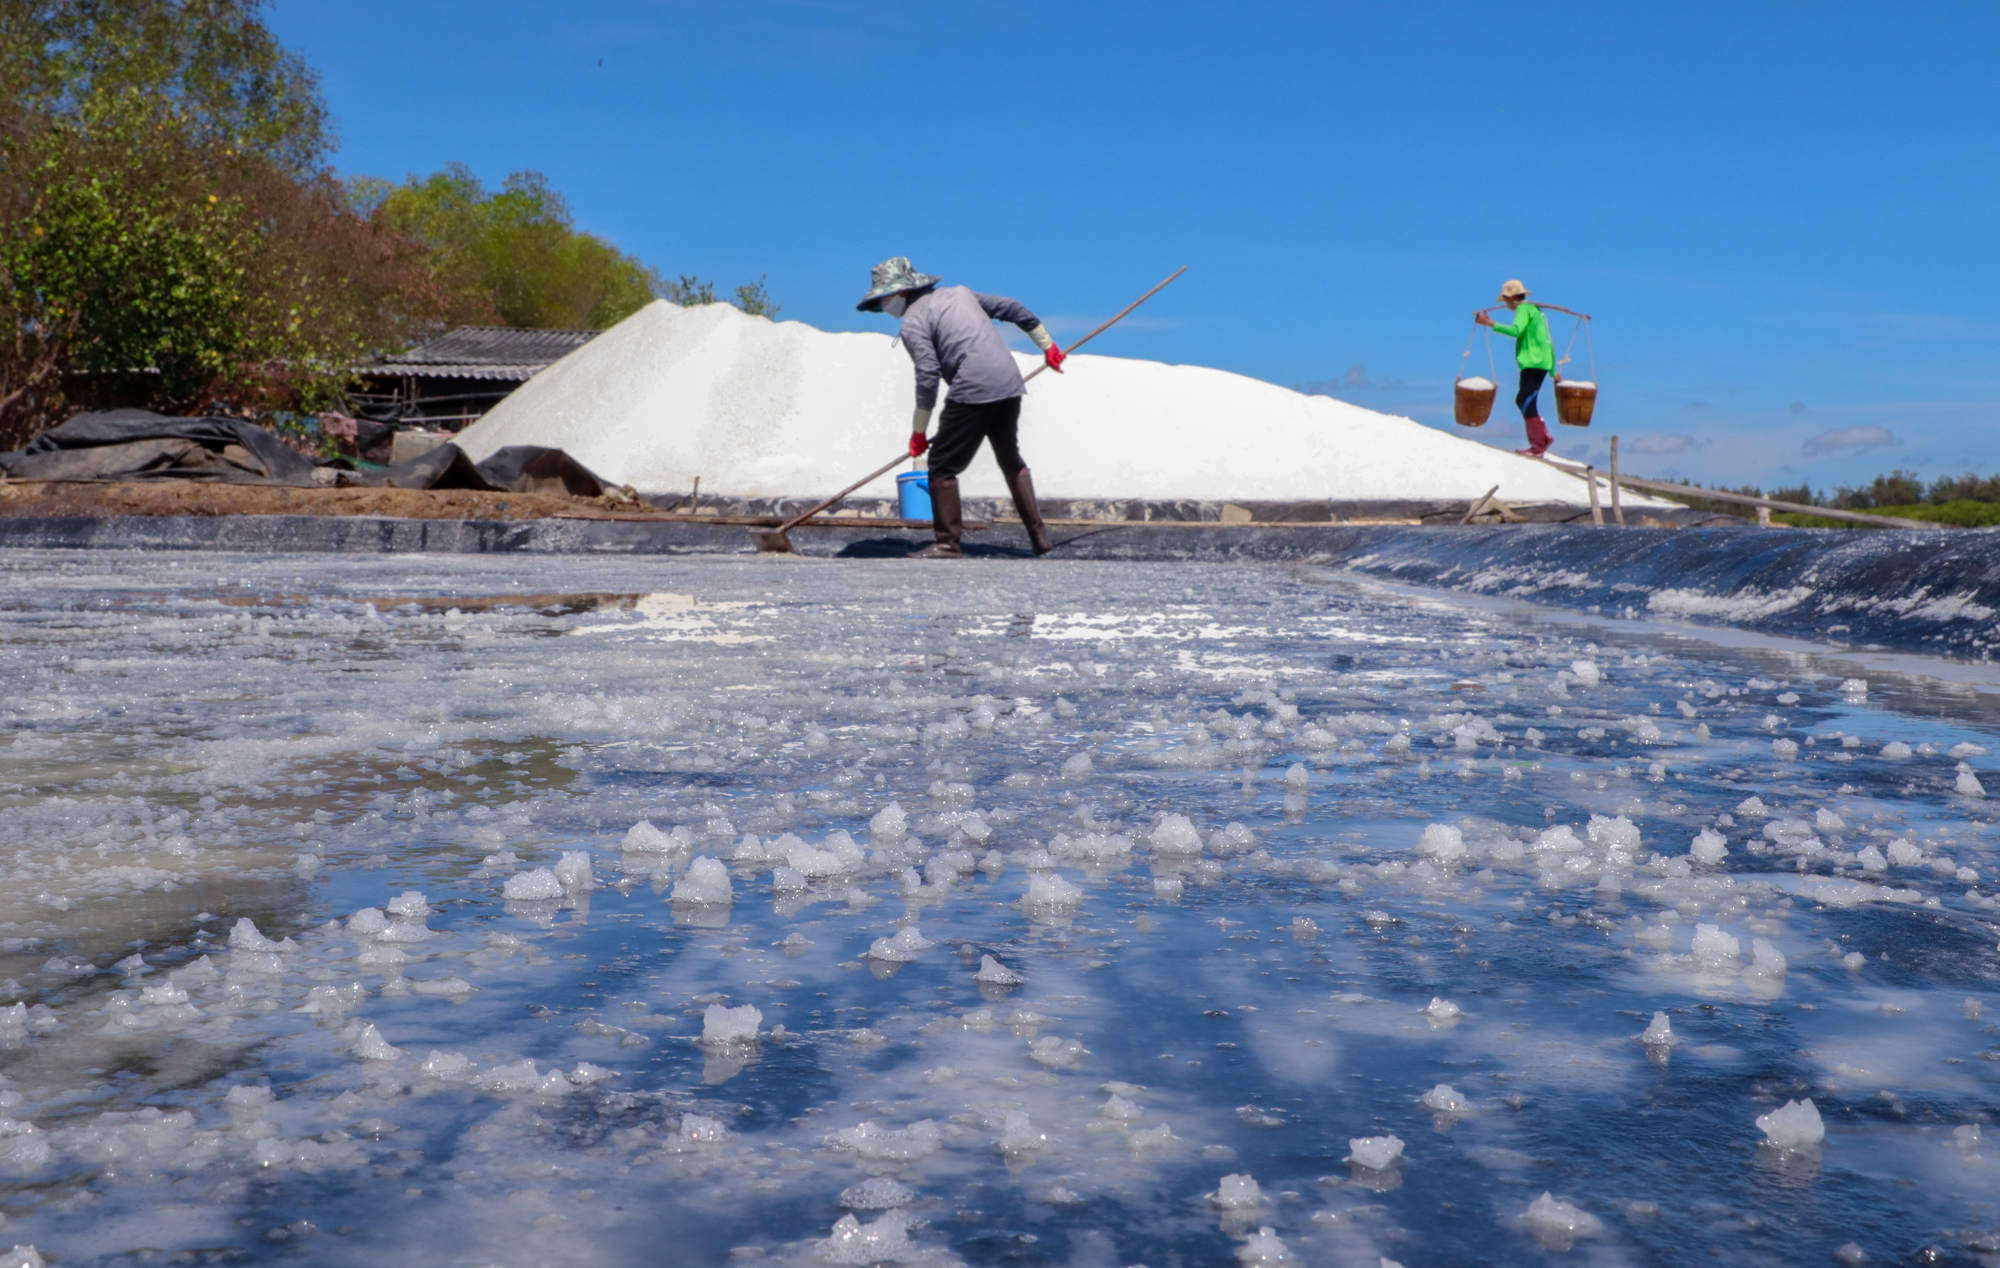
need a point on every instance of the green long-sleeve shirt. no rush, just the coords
(1533, 348)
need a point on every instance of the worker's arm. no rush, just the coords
(1512, 331)
(920, 423)
(922, 348)
(1052, 355)
(1001, 308)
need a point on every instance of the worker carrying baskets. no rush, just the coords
(1535, 355)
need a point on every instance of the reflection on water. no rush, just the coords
(871, 912)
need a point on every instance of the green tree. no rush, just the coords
(514, 256)
(161, 228)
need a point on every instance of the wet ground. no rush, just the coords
(1091, 914)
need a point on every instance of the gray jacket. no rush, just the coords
(949, 334)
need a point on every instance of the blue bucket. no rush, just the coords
(913, 495)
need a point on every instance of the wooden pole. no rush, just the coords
(1109, 324)
(1617, 507)
(1478, 505)
(1596, 511)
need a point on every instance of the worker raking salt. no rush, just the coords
(1535, 353)
(949, 335)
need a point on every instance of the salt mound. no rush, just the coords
(763, 409)
(1477, 383)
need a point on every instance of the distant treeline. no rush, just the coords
(172, 235)
(1968, 500)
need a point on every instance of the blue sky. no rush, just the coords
(1782, 215)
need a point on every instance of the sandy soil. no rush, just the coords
(188, 497)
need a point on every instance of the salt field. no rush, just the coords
(543, 910)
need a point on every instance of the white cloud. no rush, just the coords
(1841, 439)
(1663, 442)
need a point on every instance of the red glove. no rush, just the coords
(918, 444)
(1054, 356)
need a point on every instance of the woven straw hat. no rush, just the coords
(890, 277)
(1513, 290)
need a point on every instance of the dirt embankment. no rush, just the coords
(24, 498)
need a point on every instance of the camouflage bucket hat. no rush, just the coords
(890, 277)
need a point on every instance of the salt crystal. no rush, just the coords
(531, 886)
(1477, 383)
(1057, 1053)
(1263, 1247)
(1167, 888)
(707, 882)
(644, 838)
(367, 921)
(721, 1024)
(1966, 749)
(1794, 1125)
(852, 1242)
(787, 880)
(573, 870)
(889, 825)
(1374, 1152)
(1968, 785)
(1784, 750)
(1903, 854)
(1077, 766)
(1586, 672)
(446, 1065)
(1966, 1137)
(1659, 1033)
(1018, 1135)
(1895, 750)
(1709, 847)
(1157, 1137)
(701, 1129)
(1442, 842)
(1559, 1222)
(1972, 1008)
(410, 904)
(1871, 859)
(873, 1141)
(1853, 961)
(1050, 892)
(1714, 949)
(1237, 1192)
(1119, 1110)
(1176, 834)
(994, 973)
(902, 948)
(1442, 1010)
(1298, 777)
(369, 1045)
(878, 1193)
(1443, 1099)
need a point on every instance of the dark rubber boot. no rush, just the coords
(1022, 485)
(947, 521)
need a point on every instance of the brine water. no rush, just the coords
(574, 911)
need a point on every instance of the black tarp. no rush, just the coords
(514, 469)
(137, 444)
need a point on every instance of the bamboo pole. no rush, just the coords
(1109, 324)
(1596, 511)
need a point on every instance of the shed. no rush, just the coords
(456, 378)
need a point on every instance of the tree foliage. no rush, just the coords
(514, 256)
(163, 238)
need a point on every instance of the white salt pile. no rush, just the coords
(1660, 1033)
(763, 409)
(721, 1024)
(1477, 383)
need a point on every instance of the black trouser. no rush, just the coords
(962, 427)
(1531, 387)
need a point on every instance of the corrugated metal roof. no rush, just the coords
(485, 352)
